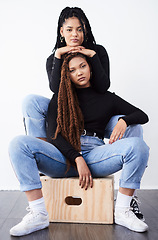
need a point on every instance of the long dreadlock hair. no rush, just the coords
(70, 121)
(68, 12)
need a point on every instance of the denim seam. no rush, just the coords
(49, 157)
(114, 155)
(35, 118)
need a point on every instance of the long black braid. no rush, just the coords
(68, 12)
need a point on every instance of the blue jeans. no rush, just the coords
(35, 112)
(29, 155)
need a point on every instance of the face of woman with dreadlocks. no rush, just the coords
(79, 72)
(72, 32)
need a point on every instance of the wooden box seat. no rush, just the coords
(66, 201)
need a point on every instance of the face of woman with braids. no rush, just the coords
(72, 32)
(79, 71)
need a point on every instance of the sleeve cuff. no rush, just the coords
(125, 118)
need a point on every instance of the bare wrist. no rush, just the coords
(92, 54)
(78, 159)
(121, 119)
(57, 54)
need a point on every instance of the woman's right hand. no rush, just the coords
(85, 177)
(67, 49)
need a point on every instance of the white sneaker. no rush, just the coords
(125, 217)
(32, 222)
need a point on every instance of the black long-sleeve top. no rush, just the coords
(100, 69)
(97, 110)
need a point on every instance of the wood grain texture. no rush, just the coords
(97, 203)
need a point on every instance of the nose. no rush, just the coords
(74, 32)
(79, 72)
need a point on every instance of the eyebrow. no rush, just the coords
(72, 27)
(79, 65)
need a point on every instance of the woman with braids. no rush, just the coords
(77, 117)
(74, 34)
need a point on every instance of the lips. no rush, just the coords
(81, 79)
(74, 40)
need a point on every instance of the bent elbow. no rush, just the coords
(147, 118)
(105, 87)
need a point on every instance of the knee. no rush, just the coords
(140, 149)
(134, 131)
(29, 103)
(15, 145)
(138, 129)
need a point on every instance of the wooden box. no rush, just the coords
(66, 201)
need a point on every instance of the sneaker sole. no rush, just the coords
(28, 232)
(135, 230)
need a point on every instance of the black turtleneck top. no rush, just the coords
(97, 104)
(97, 109)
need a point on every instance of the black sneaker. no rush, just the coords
(135, 202)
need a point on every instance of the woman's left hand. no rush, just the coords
(87, 52)
(118, 131)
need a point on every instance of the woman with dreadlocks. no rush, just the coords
(74, 34)
(77, 117)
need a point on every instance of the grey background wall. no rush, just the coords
(128, 29)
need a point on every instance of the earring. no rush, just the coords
(61, 39)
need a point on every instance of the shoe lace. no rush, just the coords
(135, 204)
(129, 212)
(28, 216)
(28, 209)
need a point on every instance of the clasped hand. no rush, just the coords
(68, 49)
